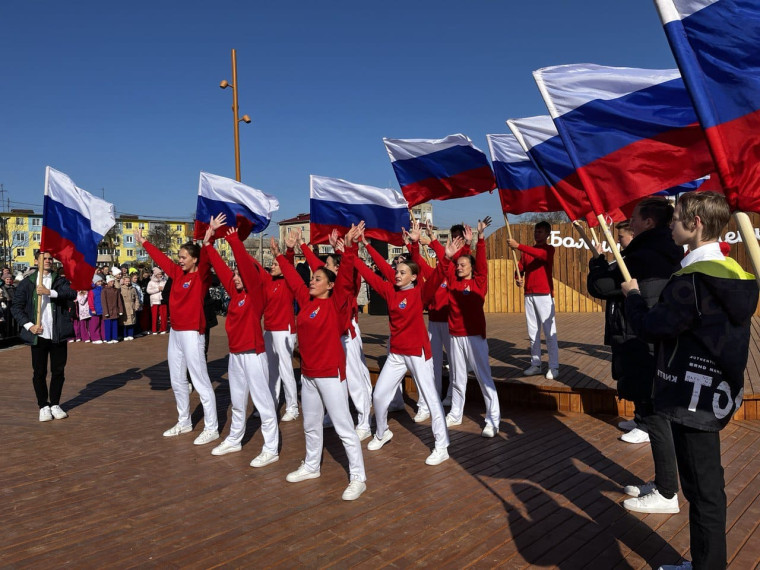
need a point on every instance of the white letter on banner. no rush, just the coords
(555, 239)
(568, 242)
(720, 412)
(698, 380)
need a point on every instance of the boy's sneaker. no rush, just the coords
(45, 414)
(450, 421)
(552, 374)
(264, 458)
(97, 342)
(421, 416)
(439, 455)
(226, 447)
(377, 442)
(179, 429)
(363, 434)
(628, 425)
(354, 490)
(58, 413)
(302, 474)
(532, 371)
(289, 416)
(489, 431)
(636, 435)
(653, 503)
(639, 490)
(206, 436)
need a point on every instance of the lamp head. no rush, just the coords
(224, 84)
(246, 119)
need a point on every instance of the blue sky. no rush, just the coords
(125, 97)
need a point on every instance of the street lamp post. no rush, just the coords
(236, 120)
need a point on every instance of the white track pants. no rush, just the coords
(539, 314)
(472, 350)
(389, 380)
(439, 341)
(357, 377)
(316, 395)
(186, 353)
(248, 372)
(279, 345)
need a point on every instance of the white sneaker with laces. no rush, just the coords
(450, 421)
(421, 416)
(302, 474)
(354, 490)
(683, 565)
(489, 431)
(97, 342)
(45, 414)
(627, 425)
(653, 503)
(639, 490)
(206, 436)
(378, 442)
(289, 416)
(226, 447)
(552, 374)
(439, 455)
(532, 371)
(178, 429)
(363, 434)
(264, 458)
(58, 412)
(636, 435)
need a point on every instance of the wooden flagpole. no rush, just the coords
(584, 236)
(514, 253)
(615, 251)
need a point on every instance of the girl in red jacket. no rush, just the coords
(409, 344)
(191, 279)
(468, 285)
(248, 370)
(325, 306)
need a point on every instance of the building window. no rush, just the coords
(19, 221)
(141, 253)
(179, 227)
(20, 252)
(36, 221)
(35, 237)
(130, 253)
(19, 236)
(179, 241)
(141, 225)
(129, 239)
(127, 225)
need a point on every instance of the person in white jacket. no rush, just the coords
(157, 308)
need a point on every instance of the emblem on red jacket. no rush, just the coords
(402, 304)
(314, 314)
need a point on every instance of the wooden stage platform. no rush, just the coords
(103, 488)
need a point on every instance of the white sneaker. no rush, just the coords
(264, 458)
(226, 447)
(639, 490)
(363, 434)
(653, 503)
(683, 565)
(354, 490)
(177, 430)
(627, 425)
(45, 414)
(532, 371)
(636, 435)
(377, 442)
(489, 431)
(450, 421)
(97, 342)
(289, 416)
(162, 332)
(58, 413)
(552, 374)
(129, 338)
(206, 436)
(302, 474)
(439, 455)
(421, 416)
(87, 341)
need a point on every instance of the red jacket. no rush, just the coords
(278, 298)
(537, 262)
(467, 296)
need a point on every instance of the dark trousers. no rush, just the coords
(663, 452)
(698, 454)
(57, 352)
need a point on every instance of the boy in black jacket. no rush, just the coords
(701, 325)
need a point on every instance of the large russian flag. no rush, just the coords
(439, 169)
(247, 209)
(629, 132)
(716, 44)
(522, 188)
(73, 224)
(337, 204)
(539, 139)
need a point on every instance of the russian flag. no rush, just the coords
(629, 132)
(73, 224)
(716, 44)
(247, 209)
(439, 169)
(337, 204)
(522, 188)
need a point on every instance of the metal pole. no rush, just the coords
(235, 121)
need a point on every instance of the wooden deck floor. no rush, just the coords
(104, 489)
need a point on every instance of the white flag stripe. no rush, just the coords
(228, 190)
(532, 131)
(506, 148)
(402, 149)
(671, 10)
(62, 189)
(338, 190)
